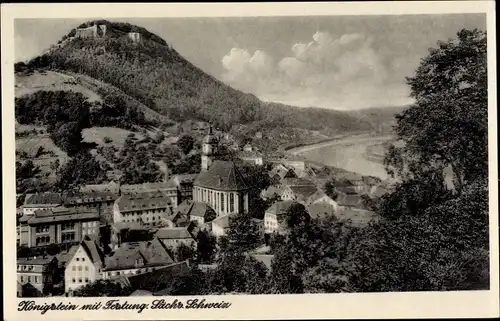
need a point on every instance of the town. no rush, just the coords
(128, 234)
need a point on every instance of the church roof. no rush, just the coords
(222, 176)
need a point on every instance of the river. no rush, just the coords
(348, 153)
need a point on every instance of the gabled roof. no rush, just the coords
(142, 201)
(60, 214)
(147, 187)
(39, 260)
(190, 208)
(320, 209)
(109, 187)
(152, 253)
(89, 197)
(222, 176)
(280, 207)
(304, 192)
(43, 199)
(173, 233)
(90, 247)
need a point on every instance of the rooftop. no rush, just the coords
(222, 176)
(148, 187)
(358, 217)
(304, 192)
(223, 221)
(127, 203)
(43, 199)
(89, 197)
(280, 207)
(59, 214)
(159, 279)
(292, 181)
(36, 260)
(149, 253)
(320, 209)
(173, 233)
(190, 208)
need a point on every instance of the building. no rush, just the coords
(112, 187)
(357, 217)
(317, 210)
(252, 157)
(321, 198)
(151, 209)
(172, 237)
(275, 216)
(348, 198)
(34, 202)
(184, 184)
(279, 172)
(124, 232)
(159, 280)
(101, 201)
(137, 258)
(198, 212)
(37, 273)
(168, 189)
(220, 225)
(297, 163)
(223, 188)
(60, 225)
(84, 265)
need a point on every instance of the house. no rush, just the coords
(199, 212)
(38, 273)
(167, 189)
(124, 232)
(60, 225)
(184, 184)
(34, 202)
(248, 148)
(297, 163)
(158, 281)
(137, 258)
(252, 157)
(174, 236)
(220, 225)
(317, 210)
(102, 201)
(275, 215)
(348, 198)
(357, 217)
(111, 187)
(151, 209)
(84, 265)
(223, 187)
(279, 172)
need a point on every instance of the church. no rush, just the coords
(220, 184)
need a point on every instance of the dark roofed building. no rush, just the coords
(223, 187)
(39, 201)
(196, 211)
(137, 258)
(102, 201)
(158, 279)
(175, 236)
(150, 209)
(61, 225)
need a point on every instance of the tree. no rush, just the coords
(68, 137)
(184, 252)
(244, 234)
(80, 170)
(186, 143)
(450, 88)
(105, 288)
(330, 189)
(206, 243)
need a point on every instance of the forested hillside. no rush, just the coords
(154, 73)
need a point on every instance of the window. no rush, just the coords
(78, 259)
(86, 280)
(73, 280)
(79, 280)
(36, 279)
(79, 268)
(29, 279)
(222, 202)
(231, 202)
(22, 279)
(73, 268)
(86, 268)
(83, 259)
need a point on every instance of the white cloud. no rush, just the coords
(342, 73)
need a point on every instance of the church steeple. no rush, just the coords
(209, 149)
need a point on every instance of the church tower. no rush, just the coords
(209, 150)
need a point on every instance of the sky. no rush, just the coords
(336, 62)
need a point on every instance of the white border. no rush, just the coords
(379, 305)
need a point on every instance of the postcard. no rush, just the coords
(249, 161)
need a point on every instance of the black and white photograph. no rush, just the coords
(266, 155)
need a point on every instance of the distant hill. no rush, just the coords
(147, 69)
